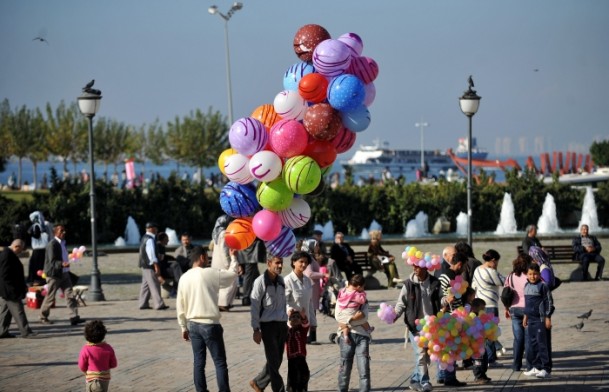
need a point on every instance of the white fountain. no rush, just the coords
(173, 237)
(548, 223)
(132, 233)
(589, 213)
(120, 241)
(365, 234)
(375, 226)
(507, 221)
(417, 227)
(327, 230)
(462, 223)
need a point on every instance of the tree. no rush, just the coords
(206, 136)
(600, 153)
(38, 151)
(65, 139)
(5, 118)
(20, 137)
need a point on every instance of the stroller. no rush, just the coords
(330, 294)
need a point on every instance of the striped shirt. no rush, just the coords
(445, 280)
(487, 282)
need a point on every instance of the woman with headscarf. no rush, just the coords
(221, 259)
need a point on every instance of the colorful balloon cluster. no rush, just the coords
(77, 254)
(449, 337)
(458, 286)
(386, 313)
(287, 146)
(413, 256)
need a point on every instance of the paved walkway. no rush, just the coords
(152, 355)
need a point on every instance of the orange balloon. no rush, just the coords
(225, 154)
(239, 234)
(313, 87)
(266, 114)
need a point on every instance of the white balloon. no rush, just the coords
(290, 105)
(296, 215)
(265, 166)
(236, 168)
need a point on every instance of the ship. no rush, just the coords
(477, 152)
(372, 160)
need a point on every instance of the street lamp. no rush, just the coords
(422, 126)
(88, 103)
(213, 10)
(469, 103)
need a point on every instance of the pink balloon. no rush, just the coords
(266, 225)
(365, 68)
(288, 138)
(370, 90)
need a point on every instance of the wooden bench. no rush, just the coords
(361, 259)
(557, 253)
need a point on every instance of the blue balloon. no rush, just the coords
(346, 92)
(238, 201)
(356, 120)
(292, 76)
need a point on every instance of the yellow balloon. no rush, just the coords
(419, 254)
(412, 251)
(44, 275)
(225, 154)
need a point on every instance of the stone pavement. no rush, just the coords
(152, 356)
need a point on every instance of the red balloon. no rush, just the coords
(323, 152)
(313, 87)
(365, 68)
(322, 121)
(344, 140)
(307, 38)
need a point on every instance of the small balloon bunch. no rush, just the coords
(458, 286)
(449, 337)
(42, 274)
(413, 256)
(386, 313)
(77, 254)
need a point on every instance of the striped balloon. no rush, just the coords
(301, 174)
(238, 200)
(364, 68)
(248, 136)
(331, 57)
(296, 215)
(344, 140)
(239, 234)
(266, 114)
(283, 245)
(290, 105)
(292, 76)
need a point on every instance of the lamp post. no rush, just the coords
(214, 10)
(88, 103)
(422, 126)
(469, 103)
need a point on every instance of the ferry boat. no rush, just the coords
(477, 152)
(373, 160)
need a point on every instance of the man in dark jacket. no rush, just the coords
(587, 249)
(12, 291)
(57, 269)
(419, 297)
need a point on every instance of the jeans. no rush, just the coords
(491, 345)
(537, 348)
(203, 337)
(420, 371)
(447, 375)
(358, 348)
(480, 366)
(517, 314)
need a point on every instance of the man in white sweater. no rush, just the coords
(199, 316)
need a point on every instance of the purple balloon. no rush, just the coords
(331, 57)
(354, 42)
(283, 245)
(248, 136)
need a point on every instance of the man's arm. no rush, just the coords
(597, 245)
(577, 247)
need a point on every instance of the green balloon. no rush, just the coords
(301, 174)
(275, 195)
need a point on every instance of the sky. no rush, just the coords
(541, 67)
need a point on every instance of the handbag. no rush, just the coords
(507, 294)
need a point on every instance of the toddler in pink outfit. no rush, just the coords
(348, 307)
(96, 357)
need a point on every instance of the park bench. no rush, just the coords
(361, 259)
(557, 253)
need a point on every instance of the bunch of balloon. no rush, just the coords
(77, 254)
(413, 256)
(280, 153)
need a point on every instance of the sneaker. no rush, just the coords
(495, 365)
(76, 320)
(415, 386)
(532, 372)
(427, 387)
(543, 374)
(482, 380)
(45, 320)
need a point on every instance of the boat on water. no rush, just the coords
(601, 174)
(373, 160)
(477, 152)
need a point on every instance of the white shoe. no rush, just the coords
(503, 350)
(498, 353)
(427, 387)
(543, 374)
(532, 372)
